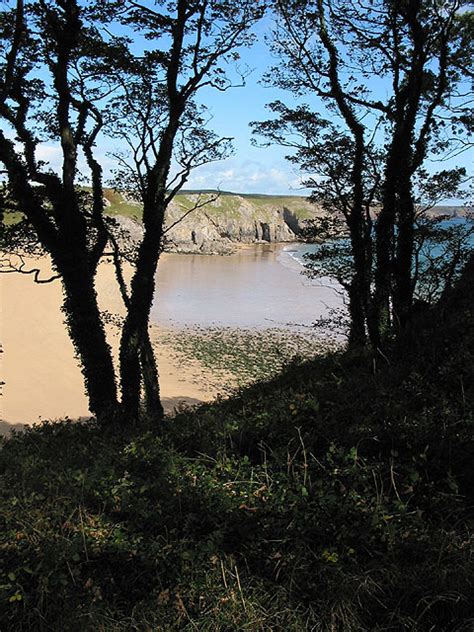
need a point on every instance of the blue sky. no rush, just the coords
(250, 169)
(264, 169)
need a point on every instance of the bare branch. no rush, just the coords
(7, 267)
(196, 206)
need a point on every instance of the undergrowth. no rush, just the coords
(237, 357)
(335, 497)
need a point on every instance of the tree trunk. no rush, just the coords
(357, 332)
(130, 375)
(395, 237)
(137, 361)
(138, 368)
(359, 291)
(385, 227)
(403, 286)
(88, 336)
(151, 387)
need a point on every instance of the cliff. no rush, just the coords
(222, 223)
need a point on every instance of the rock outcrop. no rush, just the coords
(224, 221)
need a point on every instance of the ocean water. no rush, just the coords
(260, 286)
(297, 251)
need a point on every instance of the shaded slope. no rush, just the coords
(336, 497)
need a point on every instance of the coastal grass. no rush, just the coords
(298, 205)
(237, 357)
(227, 204)
(334, 496)
(117, 204)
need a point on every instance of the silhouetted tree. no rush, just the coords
(66, 78)
(45, 50)
(161, 121)
(368, 148)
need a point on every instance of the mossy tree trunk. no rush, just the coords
(87, 334)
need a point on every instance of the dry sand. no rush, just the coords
(257, 288)
(42, 379)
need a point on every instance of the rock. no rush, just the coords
(228, 220)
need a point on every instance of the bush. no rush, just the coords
(335, 497)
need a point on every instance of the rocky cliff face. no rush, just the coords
(225, 221)
(228, 219)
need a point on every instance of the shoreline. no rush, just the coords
(42, 378)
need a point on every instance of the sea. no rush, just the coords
(298, 251)
(260, 286)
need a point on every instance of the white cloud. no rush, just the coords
(49, 153)
(248, 176)
(268, 173)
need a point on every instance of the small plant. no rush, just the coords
(337, 495)
(240, 357)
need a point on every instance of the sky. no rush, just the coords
(250, 169)
(264, 169)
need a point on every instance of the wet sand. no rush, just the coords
(258, 287)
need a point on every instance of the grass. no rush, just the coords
(228, 204)
(235, 358)
(334, 496)
(118, 205)
(294, 203)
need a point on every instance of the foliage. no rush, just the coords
(442, 249)
(337, 496)
(72, 72)
(391, 82)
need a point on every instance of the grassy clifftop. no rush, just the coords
(337, 496)
(227, 203)
(226, 219)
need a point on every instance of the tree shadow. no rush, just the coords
(170, 404)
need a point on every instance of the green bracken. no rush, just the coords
(336, 496)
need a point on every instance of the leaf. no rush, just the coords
(15, 597)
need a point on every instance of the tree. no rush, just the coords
(157, 103)
(67, 78)
(442, 246)
(426, 59)
(321, 147)
(419, 52)
(39, 100)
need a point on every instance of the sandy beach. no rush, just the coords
(257, 288)
(42, 378)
